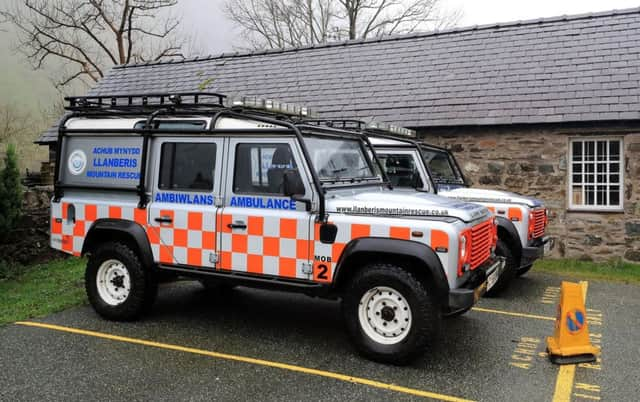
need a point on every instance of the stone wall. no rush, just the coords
(28, 243)
(533, 161)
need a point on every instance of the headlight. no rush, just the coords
(464, 251)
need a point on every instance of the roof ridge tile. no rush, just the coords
(413, 35)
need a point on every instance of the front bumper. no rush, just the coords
(474, 286)
(536, 250)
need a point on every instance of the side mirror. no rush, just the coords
(293, 187)
(328, 232)
(291, 183)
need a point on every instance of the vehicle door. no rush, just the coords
(186, 187)
(262, 231)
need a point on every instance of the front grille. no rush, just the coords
(481, 239)
(538, 222)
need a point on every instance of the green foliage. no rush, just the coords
(202, 86)
(614, 270)
(10, 192)
(42, 289)
(9, 270)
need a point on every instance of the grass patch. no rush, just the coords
(615, 270)
(42, 289)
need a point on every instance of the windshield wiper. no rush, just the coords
(449, 181)
(336, 180)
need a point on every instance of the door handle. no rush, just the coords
(237, 225)
(164, 219)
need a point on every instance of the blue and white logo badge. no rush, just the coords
(77, 162)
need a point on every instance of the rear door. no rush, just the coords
(186, 192)
(263, 232)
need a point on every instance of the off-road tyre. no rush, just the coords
(143, 284)
(511, 265)
(425, 313)
(524, 270)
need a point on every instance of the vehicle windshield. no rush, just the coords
(442, 166)
(401, 169)
(339, 159)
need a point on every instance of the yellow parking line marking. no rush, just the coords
(567, 373)
(513, 314)
(564, 383)
(249, 360)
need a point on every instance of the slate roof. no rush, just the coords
(565, 69)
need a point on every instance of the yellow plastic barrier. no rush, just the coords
(570, 343)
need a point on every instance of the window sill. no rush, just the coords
(596, 210)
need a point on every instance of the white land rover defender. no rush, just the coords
(522, 220)
(246, 193)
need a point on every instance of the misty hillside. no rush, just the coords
(19, 84)
(25, 93)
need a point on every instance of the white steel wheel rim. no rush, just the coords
(113, 282)
(385, 315)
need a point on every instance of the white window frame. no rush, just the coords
(570, 184)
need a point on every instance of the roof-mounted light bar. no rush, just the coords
(374, 125)
(270, 105)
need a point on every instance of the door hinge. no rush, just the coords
(307, 268)
(213, 258)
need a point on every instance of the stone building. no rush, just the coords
(547, 107)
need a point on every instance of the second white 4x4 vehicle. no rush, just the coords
(244, 193)
(413, 165)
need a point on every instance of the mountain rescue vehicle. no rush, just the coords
(244, 192)
(414, 165)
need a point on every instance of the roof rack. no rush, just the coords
(120, 103)
(375, 127)
(348, 124)
(291, 116)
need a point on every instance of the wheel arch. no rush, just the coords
(417, 258)
(509, 234)
(128, 232)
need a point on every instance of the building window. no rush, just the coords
(595, 174)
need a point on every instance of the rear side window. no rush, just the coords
(187, 166)
(260, 168)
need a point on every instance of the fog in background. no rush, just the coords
(218, 35)
(213, 34)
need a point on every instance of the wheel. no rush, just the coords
(524, 270)
(503, 250)
(389, 315)
(117, 285)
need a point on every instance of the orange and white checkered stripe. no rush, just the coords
(270, 245)
(348, 231)
(188, 240)
(68, 236)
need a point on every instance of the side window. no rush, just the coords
(187, 166)
(260, 168)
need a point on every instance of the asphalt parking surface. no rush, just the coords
(495, 352)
